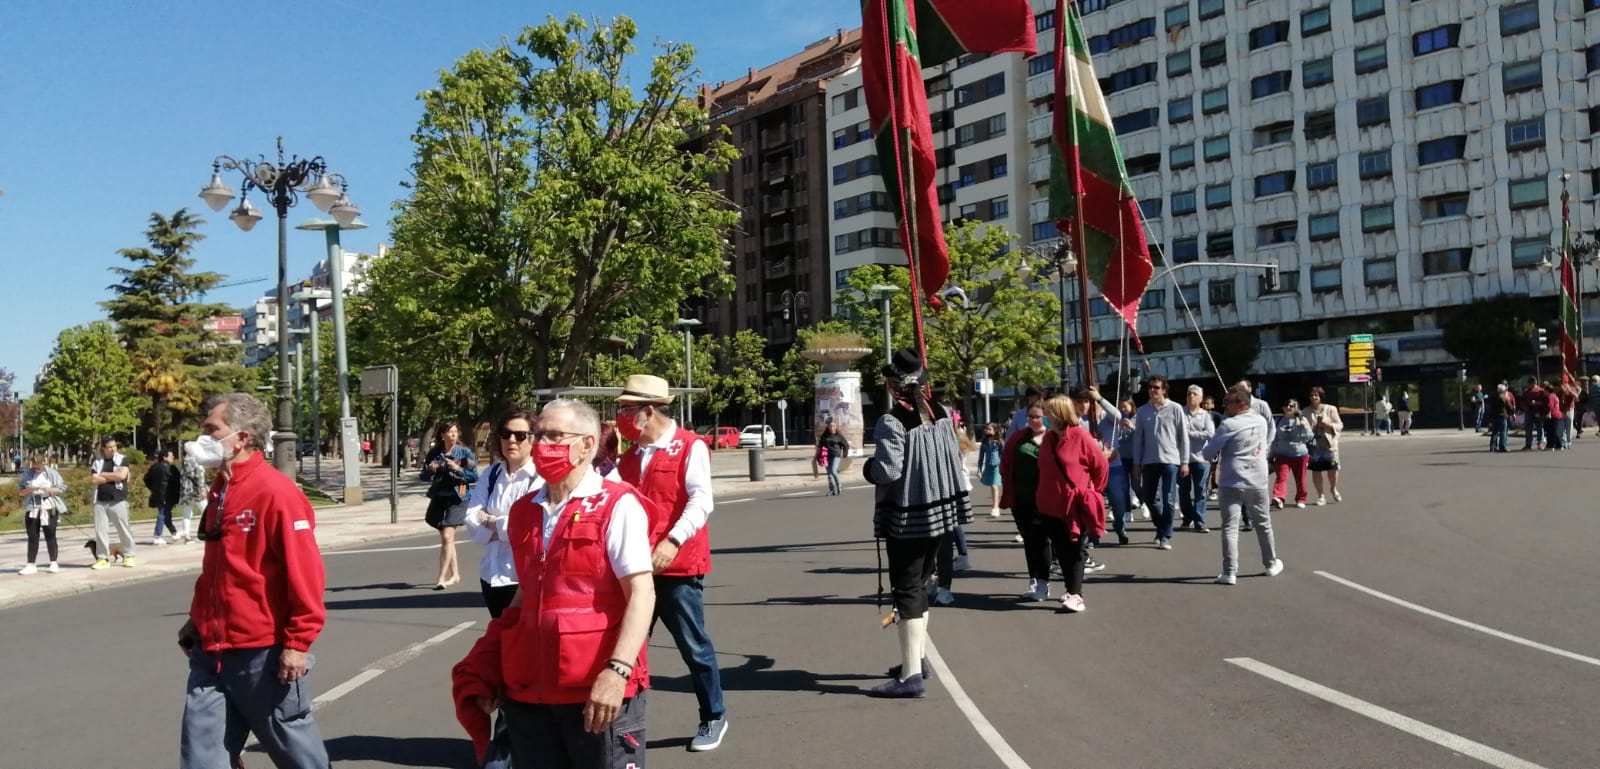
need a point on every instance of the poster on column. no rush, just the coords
(839, 401)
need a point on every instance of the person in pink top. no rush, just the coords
(1072, 482)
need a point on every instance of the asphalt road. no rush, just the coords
(1165, 670)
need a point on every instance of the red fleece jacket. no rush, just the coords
(1072, 475)
(478, 675)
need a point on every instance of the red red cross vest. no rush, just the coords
(572, 603)
(666, 493)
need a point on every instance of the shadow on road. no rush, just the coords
(757, 673)
(378, 586)
(794, 548)
(422, 598)
(402, 751)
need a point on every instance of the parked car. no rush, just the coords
(718, 437)
(757, 435)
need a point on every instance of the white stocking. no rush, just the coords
(913, 642)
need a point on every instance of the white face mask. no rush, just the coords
(207, 450)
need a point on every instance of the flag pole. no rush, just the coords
(1084, 334)
(913, 257)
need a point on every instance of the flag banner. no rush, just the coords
(1571, 318)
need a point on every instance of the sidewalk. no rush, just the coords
(338, 526)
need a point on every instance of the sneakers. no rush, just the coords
(1073, 602)
(1277, 504)
(158, 541)
(1246, 527)
(960, 563)
(53, 568)
(709, 736)
(1122, 539)
(128, 561)
(1017, 539)
(1212, 497)
(1300, 505)
(1144, 511)
(1321, 500)
(927, 670)
(1276, 568)
(895, 689)
(1163, 544)
(944, 597)
(1337, 497)
(29, 569)
(1038, 590)
(1199, 528)
(994, 512)
(101, 564)
(1091, 565)
(1227, 579)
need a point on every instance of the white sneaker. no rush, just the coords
(1321, 500)
(1038, 590)
(1337, 497)
(1300, 505)
(944, 597)
(1227, 579)
(29, 569)
(53, 568)
(1073, 602)
(1163, 544)
(158, 541)
(1144, 511)
(994, 512)
(1276, 568)
(1017, 539)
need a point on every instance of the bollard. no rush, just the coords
(758, 464)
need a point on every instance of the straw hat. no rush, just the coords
(644, 388)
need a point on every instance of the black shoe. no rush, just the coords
(1246, 527)
(1122, 539)
(1200, 528)
(927, 671)
(894, 688)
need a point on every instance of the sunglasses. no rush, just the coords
(211, 520)
(554, 436)
(515, 435)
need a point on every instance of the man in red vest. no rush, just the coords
(671, 467)
(565, 662)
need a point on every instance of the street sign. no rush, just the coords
(984, 387)
(379, 380)
(1354, 378)
(783, 404)
(1360, 356)
(1357, 338)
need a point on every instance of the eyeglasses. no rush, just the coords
(554, 436)
(515, 435)
(631, 410)
(211, 520)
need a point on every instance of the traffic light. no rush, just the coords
(1541, 338)
(1272, 276)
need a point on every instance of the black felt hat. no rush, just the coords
(904, 365)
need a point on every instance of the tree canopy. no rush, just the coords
(85, 392)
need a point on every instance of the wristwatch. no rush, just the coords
(674, 541)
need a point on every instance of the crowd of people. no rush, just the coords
(1550, 414)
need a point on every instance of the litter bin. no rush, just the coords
(758, 464)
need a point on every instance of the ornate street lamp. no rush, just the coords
(1060, 262)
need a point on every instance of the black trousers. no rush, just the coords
(911, 563)
(1069, 552)
(49, 531)
(1035, 542)
(497, 598)
(552, 736)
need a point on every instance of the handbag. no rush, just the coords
(498, 756)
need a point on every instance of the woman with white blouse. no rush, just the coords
(505, 482)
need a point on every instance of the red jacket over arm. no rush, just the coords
(1072, 477)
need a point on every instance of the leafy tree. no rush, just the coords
(1493, 335)
(1234, 351)
(746, 373)
(551, 207)
(86, 392)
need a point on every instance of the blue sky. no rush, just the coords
(110, 110)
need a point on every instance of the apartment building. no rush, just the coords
(1395, 157)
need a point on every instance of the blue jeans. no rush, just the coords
(1479, 421)
(1117, 494)
(1164, 477)
(1532, 432)
(680, 605)
(1192, 493)
(164, 518)
(1499, 431)
(833, 475)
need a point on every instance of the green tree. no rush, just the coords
(1234, 352)
(1494, 335)
(551, 207)
(746, 373)
(88, 390)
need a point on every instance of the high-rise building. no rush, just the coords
(260, 332)
(1395, 158)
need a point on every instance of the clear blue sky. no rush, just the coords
(110, 110)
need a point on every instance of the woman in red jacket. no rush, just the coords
(1072, 479)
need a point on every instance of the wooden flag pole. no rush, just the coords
(914, 258)
(1084, 333)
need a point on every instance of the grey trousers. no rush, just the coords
(1233, 502)
(236, 693)
(107, 515)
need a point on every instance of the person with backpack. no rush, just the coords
(489, 508)
(450, 471)
(165, 483)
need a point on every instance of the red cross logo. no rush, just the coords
(246, 520)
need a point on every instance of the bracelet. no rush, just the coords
(618, 661)
(622, 670)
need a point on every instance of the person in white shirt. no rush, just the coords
(489, 508)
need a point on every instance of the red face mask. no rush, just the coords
(552, 461)
(628, 427)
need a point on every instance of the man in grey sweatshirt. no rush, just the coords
(1241, 446)
(1160, 455)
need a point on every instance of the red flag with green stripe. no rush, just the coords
(1089, 190)
(1571, 320)
(895, 35)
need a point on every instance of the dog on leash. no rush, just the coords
(94, 550)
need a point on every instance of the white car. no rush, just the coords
(757, 435)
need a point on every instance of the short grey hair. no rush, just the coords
(244, 412)
(1197, 390)
(584, 417)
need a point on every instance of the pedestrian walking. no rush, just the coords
(1195, 488)
(1033, 396)
(1554, 415)
(834, 448)
(489, 507)
(1261, 407)
(450, 471)
(920, 496)
(1500, 409)
(565, 664)
(1402, 410)
(1569, 406)
(989, 466)
(1117, 433)
(1323, 451)
(1380, 416)
(192, 493)
(42, 507)
(109, 474)
(1240, 446)
(257, 607)
(1291, 449)
(671, 468)
(165, 483)
(1019, 488)
(1072, 481)
(1161, 455)
(1098, 418)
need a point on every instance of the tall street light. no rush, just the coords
(688, 325)
(281, 183)
(883, 293)
(1060, 262)
(349, 437)
(313, 298)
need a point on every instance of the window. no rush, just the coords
(1371, 112)
(1185, 250)
(1211, 8)
(1133, 121)
(1274, 234)
(1274, 133)
(1214, 53)
(1219, 245)
(1525, 134)
(1377, 218)
(1320, 175)
(1323, 226)
(1438, 94)
(1447, 261)
(1519, 17)
(1044, 21)
(1591, 5)
(1045, 230)
(1178, 16)
(848, 100)
(1269, 84)
(1219, 195)
(1039, 65)
(1274, 184)
(1178, 64)
(1180, 110)
(1128, 78)
(1591, 58)
(1315, 22)
(1319, 125)
(1521, 76)
(1527, 193)
(1183, 202)
(841, 279)
(1436, 39)
(1594, 118)
(1375, 164)
(1215, 148)
(1379, 272)
(1441, 150)
(1365, 9)
(1153, 299)
(1315, 73)
(1326, 278)
(1527, 253)
(1180, 156)
(1371, 58)
(1220, 291)
(1000, 208)
(1142, 164)
(1190, 295)
(1444, 206)
(1214, 101)
(1288, 283)
(1269, 34)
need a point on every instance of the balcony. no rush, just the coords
(775, 137)
(1040, 126)
(1041, 86)
(777, 172)
(778, 235)
(781, 268)
(1039, 170)
(777, 204)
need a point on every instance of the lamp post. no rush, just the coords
(883, 293)
(1584, 253)
(349, 436)
(299, 354)
(281, 183)
(688, 324)
(313, 298)
(1060, 262)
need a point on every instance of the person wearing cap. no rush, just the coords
(109, 474)
(671, 468)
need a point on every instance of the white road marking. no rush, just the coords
(735, 501)
(986, 730)
(1387, 717)
(798, 494)
(1500, 634)
(434, 546)
(346, 687)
